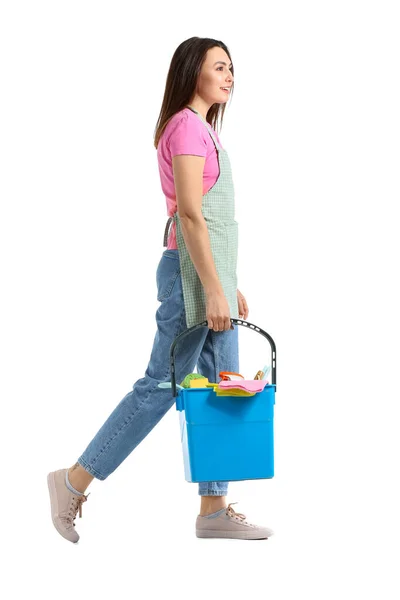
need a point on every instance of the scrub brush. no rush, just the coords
(186, 382)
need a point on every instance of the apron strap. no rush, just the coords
(166, 231)
(208, 127)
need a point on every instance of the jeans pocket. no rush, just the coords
(167, 273)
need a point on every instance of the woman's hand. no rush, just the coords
(217, 311)
(242, 306)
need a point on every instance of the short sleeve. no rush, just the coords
(188, 137)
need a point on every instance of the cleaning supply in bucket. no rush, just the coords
(248, 385)
(231, 391)
(186, 382)
(199, 382)
(230, 376)
(266, 369)
(168, 385)
(191, 380)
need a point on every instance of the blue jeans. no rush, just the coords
(143, 407)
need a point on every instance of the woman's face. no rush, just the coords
(215, 74)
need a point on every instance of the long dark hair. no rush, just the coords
(182, 79)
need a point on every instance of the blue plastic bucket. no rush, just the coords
(226, 438)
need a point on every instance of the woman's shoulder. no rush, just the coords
(186, 134)
(185, 120)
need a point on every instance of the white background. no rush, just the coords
(313, 132)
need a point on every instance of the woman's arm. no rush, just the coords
(188, 178)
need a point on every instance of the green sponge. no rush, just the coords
(186, 382)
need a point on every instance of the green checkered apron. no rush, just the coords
(218, 208)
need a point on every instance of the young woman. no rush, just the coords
(196, 282)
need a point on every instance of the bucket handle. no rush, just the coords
(233, 321)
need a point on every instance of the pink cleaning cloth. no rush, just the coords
(249, 385)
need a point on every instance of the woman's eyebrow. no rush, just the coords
(221, 62)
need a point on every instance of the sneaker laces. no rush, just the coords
(76, 505)
(232, 513)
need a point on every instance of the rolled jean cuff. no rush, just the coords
(90, 469)
(217, 488)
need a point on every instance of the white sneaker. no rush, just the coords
(226, 523)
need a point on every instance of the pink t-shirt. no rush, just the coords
(185, 134)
